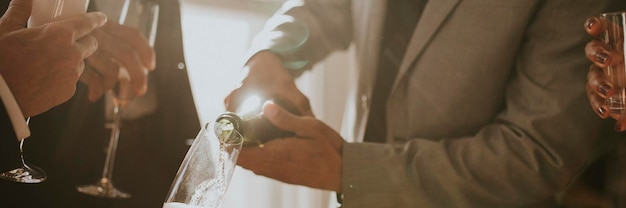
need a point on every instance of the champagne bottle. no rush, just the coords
(255, 128)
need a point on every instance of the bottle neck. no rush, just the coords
(226, 126)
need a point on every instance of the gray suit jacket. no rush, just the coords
(488, 109)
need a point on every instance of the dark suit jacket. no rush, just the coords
(69, 141)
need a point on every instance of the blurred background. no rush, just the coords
(217, 34)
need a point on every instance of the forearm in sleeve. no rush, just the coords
(304, 32)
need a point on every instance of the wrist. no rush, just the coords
(268, 62)
(294, 68)
(264, 56)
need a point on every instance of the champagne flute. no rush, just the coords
(205, 173)
(43, 11)
(26, 173)
(147, 16)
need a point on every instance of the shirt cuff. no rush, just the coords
(14, 111)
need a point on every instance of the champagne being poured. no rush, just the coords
(205, 173)
(250, 123)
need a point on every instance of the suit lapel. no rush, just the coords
(434, 14)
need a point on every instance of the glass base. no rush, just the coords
(104, 188)
(25, 175)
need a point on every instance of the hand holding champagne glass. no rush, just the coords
(606, 84)
(43, 12)
(613, 39)
(146, 16)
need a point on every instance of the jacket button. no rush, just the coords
(365, 101)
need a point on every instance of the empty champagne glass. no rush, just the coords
(43, 11)
(146, 14)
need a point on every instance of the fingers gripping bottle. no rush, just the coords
(255, 128)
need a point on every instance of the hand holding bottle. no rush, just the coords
(268, 78)
(250, 122)
(311, 158)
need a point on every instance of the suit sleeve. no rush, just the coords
(4, 5)
(304, 32)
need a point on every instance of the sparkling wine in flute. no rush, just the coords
(45, 11)
(205, 173)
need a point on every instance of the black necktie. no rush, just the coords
(400, 21)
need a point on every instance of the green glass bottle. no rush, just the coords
(251, 124)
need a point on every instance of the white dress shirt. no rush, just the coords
(14, 111)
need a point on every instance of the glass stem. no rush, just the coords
(115, 135)
(22, 152)
(22, 146)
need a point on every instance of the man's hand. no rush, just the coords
(311, 158)
(599, 87)
(120, 47)
(269, 79)
(41, 65)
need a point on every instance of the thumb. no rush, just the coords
(280, 117)
(16, 16)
